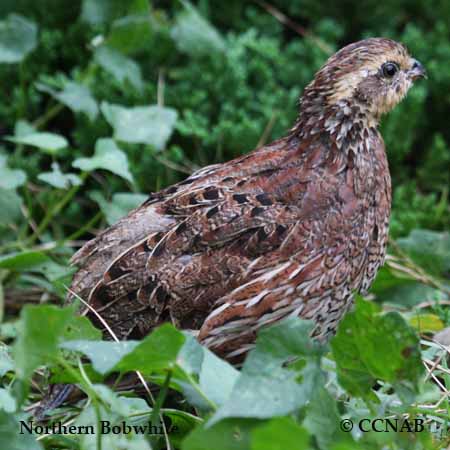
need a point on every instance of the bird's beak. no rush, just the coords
(417, 70)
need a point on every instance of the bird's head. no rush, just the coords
(367, 78)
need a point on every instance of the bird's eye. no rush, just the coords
(389, 69)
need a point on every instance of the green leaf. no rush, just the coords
(58, 179)
(213, 369)
(102, 11)
(184, 423)
(280, 342)
(7, 401)
(195, 375)
(356, 349)
(107, 156)
(132, 33)
(194, 35)
(395, 287)
(59, 275)
(6, 362)
(98, 11)
(23, 128)
(322, 418)
(62, 375)
(142, 124)
(265, 387)
(104, 355)
(48, 142)
(426, 323)
(10, 206)
(119, 66)
(122, 203)
(157, 351)
(430, 249)
(81, 328)
(120, 405)
(10, 178)
(195, 362)
(75, 96)
(10, 434)
(110, 440)
(40, 328)
(264, 396)
(21, 261)
(18, 37)
(225, 435)
(281, 433)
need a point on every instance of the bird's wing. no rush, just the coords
(191, 243)
(96, 256)
(201, 256)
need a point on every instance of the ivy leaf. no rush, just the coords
(10, 178)
(58, 179)
(213, 369)
(132, 33)
(356, 349)
(81, 328)
(426, 323)
(280, 433)
(40, 329)
(48, 142)
(101, 417)
(18, 37)
(280, 342)
(430, 249)
(197, 362)
(395, 287)
(157, 351)
(10, 206)
(107, 156)
(120, 205)
(23, 128)
(322, 418)
(225, 435)
(142, 124)
(119, 66)
(24, 260)
(194, 35)
(10, 434)
(6, 362)
(97, 12)
(265, 388)
(7, 401)
(75, 96)
(104, 355)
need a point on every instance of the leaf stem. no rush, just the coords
(48, 115)
(52, 212)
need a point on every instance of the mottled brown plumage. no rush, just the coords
(295, 227)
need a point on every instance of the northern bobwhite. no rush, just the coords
(295, 227)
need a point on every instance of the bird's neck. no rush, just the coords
(348, 138)
(345, 125)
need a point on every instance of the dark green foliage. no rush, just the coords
(103, 101)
